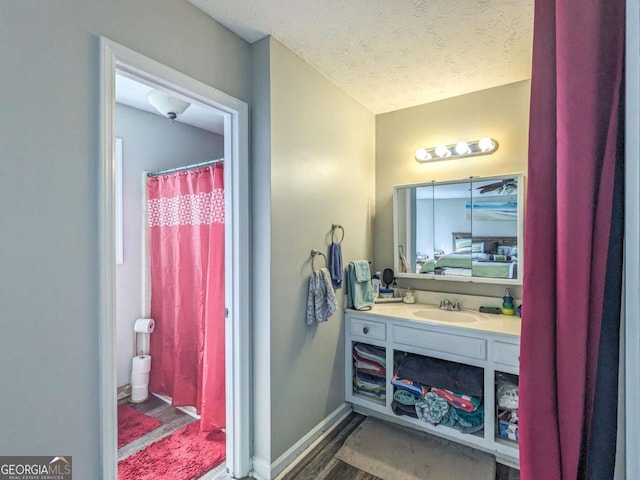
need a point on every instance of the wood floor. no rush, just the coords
(320, 464)
(172, 419)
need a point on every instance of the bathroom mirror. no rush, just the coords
(464, 230)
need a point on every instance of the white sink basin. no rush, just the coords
(445, 316)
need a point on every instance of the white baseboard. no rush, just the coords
(191, 411)
(289, 459)
(261, 469)
(124, 391)
(292, 457)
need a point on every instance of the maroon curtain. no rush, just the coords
(572, 239)
(186, 245)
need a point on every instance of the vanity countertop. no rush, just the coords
(431, 314)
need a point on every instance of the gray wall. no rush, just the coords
(321, 172)
(49, 138)
(150, 143)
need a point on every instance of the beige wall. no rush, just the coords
(500, 112)
(261, 248)
(321, 172)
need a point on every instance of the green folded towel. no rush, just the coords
(359, 292)
(405, 397)
(363, 273)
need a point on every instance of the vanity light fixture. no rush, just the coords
(462, 148)
(422, 155)
(484, 146)
(442, 151)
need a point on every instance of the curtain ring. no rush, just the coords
(335, 227)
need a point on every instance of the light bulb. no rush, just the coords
(485, 144)
(442, 151)
(422, 154)
(462, 148)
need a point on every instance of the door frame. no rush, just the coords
(630, 378)
(115, 57)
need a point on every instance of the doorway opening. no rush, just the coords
(231, 114)
(169, 283)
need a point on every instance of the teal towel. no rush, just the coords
(359, 292)
(363, 273)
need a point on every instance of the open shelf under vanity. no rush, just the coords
(488, 358)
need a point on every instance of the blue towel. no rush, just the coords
(335, 265)
(321, 299)
(359, 289)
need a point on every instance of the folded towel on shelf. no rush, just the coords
(335, 265)
(359, 289)
(410, 386)
(371, 352)
(369, 366)
(465, 422)
(405, 398)
(381, 395)
(370, 382)
(458, 400)
(432, 409)
(400, 409)
(321, 299)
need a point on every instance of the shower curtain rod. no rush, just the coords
(187, 167)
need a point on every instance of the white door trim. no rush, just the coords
(631, 305)
(117, 57)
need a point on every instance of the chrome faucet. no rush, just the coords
(448, 305)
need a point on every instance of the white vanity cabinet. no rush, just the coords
(492, 343)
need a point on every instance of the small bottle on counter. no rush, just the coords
(507, 303)
(396, 290)
(375, 283)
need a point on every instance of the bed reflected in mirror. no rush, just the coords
(468, 230)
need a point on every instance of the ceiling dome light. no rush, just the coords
(167, 105)
(485, 144)
(462, 148)
(442, 151)
(422, 155)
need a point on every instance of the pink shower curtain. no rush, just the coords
(573, 242)
(186, 244)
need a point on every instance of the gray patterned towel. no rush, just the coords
(321, 300)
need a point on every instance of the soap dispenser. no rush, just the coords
(507, 303)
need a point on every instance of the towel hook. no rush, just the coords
(335, 227)
(315, 253)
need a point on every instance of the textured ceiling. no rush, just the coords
(393, 54)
